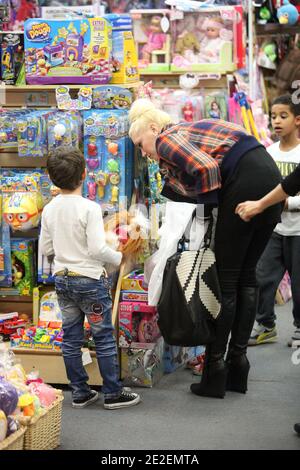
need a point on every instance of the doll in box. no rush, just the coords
(156, 38)
(215, 36)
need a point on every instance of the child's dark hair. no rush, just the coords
(66, 166)
(288, 100)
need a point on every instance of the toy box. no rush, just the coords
(134, 281)
(23, 265)
(131, 296)
(68, 51)
(12, 57)
(142, 366)
(205, 40)
(109, 158)
(137, 324)
(124, 55)
(5, 251)
(151, 30)
(177, 356)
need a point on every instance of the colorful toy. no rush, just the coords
(137, 320)
(23, 263)
(5, 250)
(22, 210)
(111, 97)
(287, 13)
(62, 51)
(12, 58)
(8, 397)
(26, 404)
(215, 107)
(124, 55)
(10, 327)
(151, 33)
(188, 111)
(65, 102)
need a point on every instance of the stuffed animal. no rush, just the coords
(187, 42)
(287, 13)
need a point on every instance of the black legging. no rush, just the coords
(239, 244)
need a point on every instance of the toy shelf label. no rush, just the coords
(37, 99)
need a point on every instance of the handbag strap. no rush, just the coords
(208, 234)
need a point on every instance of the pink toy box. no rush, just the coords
(68, 51)
(208, 40)
(151, 30)
(137, 324)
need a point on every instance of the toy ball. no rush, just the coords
(8, 397)
(22, 211)
(287, 13)
(59, 130)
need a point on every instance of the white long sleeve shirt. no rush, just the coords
(287, 162)
(73, 230)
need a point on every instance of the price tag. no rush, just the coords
(86, 358)
(176, 15)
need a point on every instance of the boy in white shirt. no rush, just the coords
(73, 231)
(283, 250)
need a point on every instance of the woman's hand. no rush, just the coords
(247, 210)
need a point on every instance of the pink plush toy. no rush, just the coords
(44, 392)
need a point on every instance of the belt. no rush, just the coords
(67, 273)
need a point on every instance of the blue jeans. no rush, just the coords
(77, 297)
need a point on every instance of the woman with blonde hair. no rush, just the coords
(216, 163)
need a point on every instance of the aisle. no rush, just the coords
(170, 417)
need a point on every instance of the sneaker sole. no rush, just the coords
(87, 403)
(116, 406)
(263, 341)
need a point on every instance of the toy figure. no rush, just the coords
(18, 270)
(156, 38)
(215, 36)
(287, 13)
(22, 210)
(101, 181)
(214, 110)
(188, 111)
(114, 194)
(187, 45)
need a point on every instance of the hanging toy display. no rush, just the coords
(287, 14)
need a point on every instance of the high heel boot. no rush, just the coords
(213, 382)
(236, 360)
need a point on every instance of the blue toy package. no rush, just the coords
(5, 253)
(32, 134)
(111, 97)
(109, 158)
(68, 51)
(12, 57)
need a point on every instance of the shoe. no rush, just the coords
(295, 337)
(260, 335)
(297, 428)
(82, 402)
(237, 376)
(125, 400)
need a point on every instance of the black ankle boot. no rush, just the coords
(237, 376)
(213, 383)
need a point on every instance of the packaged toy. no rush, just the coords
(12, 57)
(109, 158)
(23, 265)
(205, 40)
(137, 324)
(142, 366)
(134, 281)
(62, 51)
(49, 309)
(32, 133)
(111, 97)
(124, 55)
(65, 102)
(152, 35)
(5, 250)
(215, 107)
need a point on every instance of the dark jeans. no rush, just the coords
(281, 254)
(79, 297)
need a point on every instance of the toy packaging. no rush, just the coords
(152, 34)
(65, 102)
(142, 366)
(137, 324)
(109, 158)
(134, 281)
(215, 107)
(12, 57)
(23, 265)
(38, 338)
(49, 309)
(124, 55)
(204, 40)
(177, 356)
(62, 51)
(111, 97)
(5, 251)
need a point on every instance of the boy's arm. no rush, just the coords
(97, 247)
(45, 240)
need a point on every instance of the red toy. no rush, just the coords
(188, 111)
(11, 326)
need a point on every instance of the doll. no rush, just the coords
(188, 111)
(156, 38)
(215, 36)
(214, 110)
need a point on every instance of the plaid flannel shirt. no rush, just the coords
(191, 154)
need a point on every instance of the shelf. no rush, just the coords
(276, 29)
(29, 88)
(12, 160)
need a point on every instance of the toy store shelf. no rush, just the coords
(16, 303)
(171, 79)
(276, 29)
(50, 365)
(12, 160)
(41, 95)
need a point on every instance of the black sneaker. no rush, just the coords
(125, 400)
(82, 402)
(297, 428)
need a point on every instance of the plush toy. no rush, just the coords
(287, 13)
(187, 42)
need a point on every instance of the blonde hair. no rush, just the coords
(142, 113)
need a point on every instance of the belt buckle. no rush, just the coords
(66, 271)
